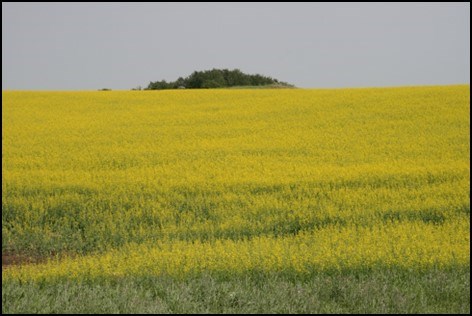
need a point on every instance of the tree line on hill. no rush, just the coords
(216, 78)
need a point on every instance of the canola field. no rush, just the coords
(185, 183)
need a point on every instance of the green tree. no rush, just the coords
(215, 78)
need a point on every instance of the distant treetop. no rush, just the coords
(217, 78)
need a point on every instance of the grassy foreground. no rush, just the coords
(387, 291)
(290, 200)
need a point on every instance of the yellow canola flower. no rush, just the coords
(229, 181)
(411, 245)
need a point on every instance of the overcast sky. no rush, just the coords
(59, 46)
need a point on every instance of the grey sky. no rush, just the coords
(120, 46)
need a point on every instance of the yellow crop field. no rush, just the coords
(183, 183)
